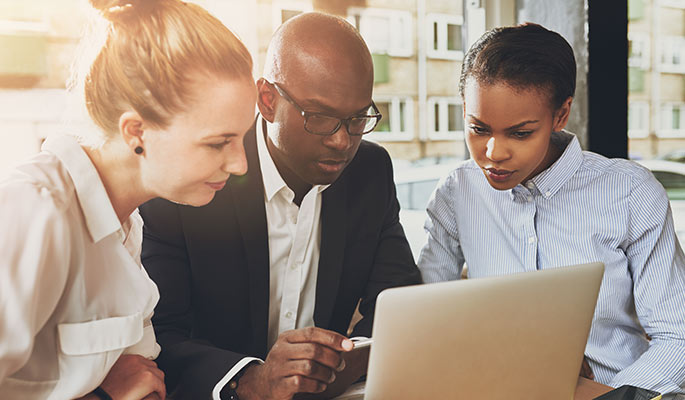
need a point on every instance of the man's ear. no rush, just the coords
(266, 99)
(561, 115)
(131, 129)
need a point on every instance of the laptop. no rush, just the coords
(519, 336)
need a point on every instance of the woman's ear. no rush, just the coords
(131, 129)
(266, 99)
(561, 115)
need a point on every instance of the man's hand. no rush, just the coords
(356, 363)
(586, 371)
(134, 377)
(301, 361)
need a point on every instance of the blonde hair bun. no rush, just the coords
(115, 10)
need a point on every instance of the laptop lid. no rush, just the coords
(519, 336)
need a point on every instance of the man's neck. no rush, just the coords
(294, 182)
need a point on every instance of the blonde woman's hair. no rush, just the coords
(145, 56)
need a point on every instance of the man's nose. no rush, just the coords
(340, 140)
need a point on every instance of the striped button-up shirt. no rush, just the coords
(583, 208)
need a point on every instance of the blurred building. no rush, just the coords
(656, 74)
(417, 48)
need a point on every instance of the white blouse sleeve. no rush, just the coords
(34, 262)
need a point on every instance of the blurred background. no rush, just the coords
(630, 100)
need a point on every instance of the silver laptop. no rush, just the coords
(518, 336)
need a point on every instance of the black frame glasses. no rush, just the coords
(326, 125)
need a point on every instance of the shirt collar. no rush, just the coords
(273, 182)
(549, 181)
(101, 219)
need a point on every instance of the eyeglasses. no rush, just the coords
(325, 125)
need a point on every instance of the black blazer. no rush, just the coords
(211, 265)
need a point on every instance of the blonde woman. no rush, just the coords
(172, 95)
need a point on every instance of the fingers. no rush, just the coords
(133, 376)
(158, 372)
(311, 370)
(315, 352)
(151, 381)
(301, 384)
(323, 337)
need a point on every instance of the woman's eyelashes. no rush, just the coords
(478, 130)
(521, 134)
(219, 146)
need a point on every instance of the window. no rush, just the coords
(445, 118)
(638, 50)
(445, 36)
(23, 61)
(284, 10)
(636, 80)
(672, 123)
(385, 31)
(674, 184)
(638, 119)
(415, 195)
(398, 119)
(636, 9)
(673, 54)
(672, 3)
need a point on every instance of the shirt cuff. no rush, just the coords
(216, 392)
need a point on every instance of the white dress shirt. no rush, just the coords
(294, 243)
(73, 293)
(583, 208)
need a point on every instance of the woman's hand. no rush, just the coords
(134, 377)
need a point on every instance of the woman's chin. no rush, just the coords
(194, 200)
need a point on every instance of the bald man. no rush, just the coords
(258, 288)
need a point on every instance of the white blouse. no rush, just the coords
(73, 293)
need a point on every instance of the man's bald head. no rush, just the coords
(313, 46)
(317, 68)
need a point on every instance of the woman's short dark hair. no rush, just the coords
(523, 56)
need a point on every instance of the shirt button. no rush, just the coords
(531, 239)
(548, 194)
(288, 315)
(294, 266)
(530, 185)
(529, 198)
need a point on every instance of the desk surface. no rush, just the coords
(585, 390)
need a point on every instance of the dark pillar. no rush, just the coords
(608, 78)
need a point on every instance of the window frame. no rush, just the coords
(642, 40)
(292, 5)
(442, 52)
(641, 107)
(443, 103)
(404, 20)
(662, 132)
(671, 46)
(394, 134)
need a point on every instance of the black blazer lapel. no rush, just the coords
(332, 253)
(247, 192)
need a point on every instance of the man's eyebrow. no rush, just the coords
(328, 109)
(319, 105)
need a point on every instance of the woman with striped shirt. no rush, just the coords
(530, 198)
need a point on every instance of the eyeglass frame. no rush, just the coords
(341, 121)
